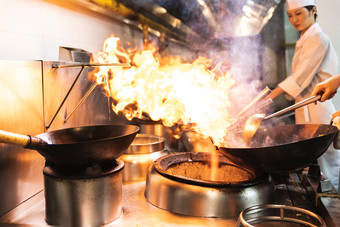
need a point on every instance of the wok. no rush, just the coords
(78, 146)
(283, 148)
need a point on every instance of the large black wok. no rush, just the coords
(78, 146)
(283, 148)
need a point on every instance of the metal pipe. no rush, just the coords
(83, 65)
(294, 107)
(66, 96)
(91, 65)
(82, 100)
(260, 96)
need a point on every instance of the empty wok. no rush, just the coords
(283, 148)
(77, 146)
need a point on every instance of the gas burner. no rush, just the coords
(87, 196)
(92, 170)
(176, 183)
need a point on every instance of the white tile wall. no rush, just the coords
(34, 29)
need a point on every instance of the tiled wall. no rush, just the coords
(34, 29)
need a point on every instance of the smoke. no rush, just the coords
(235, 42)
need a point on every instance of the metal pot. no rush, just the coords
(78, 146)
(141, 154)
(290, 147)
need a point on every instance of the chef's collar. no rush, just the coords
(294, 4)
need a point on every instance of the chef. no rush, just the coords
(314, 61)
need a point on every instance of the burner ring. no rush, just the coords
(203, 198)
(163, 163)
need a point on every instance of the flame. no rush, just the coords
(174, 92)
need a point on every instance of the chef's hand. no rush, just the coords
(336, 114)
(328, 88)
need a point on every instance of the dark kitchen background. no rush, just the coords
(35, 34)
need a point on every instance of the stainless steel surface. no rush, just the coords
(30, 95)
(136, 212)
(87, 201)
(74, 54)
(57, 82)
(264, 215)
(145, 143)
(158, 129)
(140, 155)
(81, 101)
(331, 209)
(21, 106)
(89, 91)
(137, 165)
(152, 129)
(201, 199)
(66, 96)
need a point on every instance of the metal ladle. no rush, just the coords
(254, 122)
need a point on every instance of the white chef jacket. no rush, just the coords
(314, 60)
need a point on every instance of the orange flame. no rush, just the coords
(175, 92)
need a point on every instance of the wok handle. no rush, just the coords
(14, 138)
(295, 106)
(336, 140)
(25, 141)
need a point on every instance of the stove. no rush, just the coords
(180, 183)
(298, 189)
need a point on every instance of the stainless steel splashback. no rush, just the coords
(30, 95)
(58, 84)
(21, 105)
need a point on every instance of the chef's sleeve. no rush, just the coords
(307, 66)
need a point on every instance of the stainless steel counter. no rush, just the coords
(289, 190)
(136, 212)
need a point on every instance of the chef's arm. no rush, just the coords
(274, 94)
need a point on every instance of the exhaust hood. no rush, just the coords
(194, 20)
(208, 19)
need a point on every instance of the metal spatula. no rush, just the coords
(254, 122)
